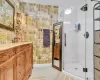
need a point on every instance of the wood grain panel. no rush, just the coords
(16, 63)
(6, 54)
(20, 66)
(7, 72)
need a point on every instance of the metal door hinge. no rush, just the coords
(85, 70)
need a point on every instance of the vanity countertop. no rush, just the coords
(11, 45)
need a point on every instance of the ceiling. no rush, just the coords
(62, 3)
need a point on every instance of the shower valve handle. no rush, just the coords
(86, 35)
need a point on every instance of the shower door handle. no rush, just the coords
(65, 39)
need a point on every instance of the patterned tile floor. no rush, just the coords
(49, 73)
(37, 78)
(44, 73)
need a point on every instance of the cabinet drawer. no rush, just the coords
(6, 54)
(97, 36)
(97, 50)
(97, 63)
(28, 59)
(21, 48)
(97, 75)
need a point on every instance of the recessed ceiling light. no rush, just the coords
(68, 11)
(67, 22)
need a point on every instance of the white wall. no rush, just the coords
(86, 20)
(74, 52)
(70, 51)
(81, 18)
(63, 3)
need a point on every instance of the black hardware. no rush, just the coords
(97, 19)
(86, 35)
(95, 0)
(85, 70)
(54, 39)
(65, 39)
(84, 8)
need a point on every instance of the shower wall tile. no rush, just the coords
(65, 76)
(86, 21)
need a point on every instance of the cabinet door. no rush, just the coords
(21, 66)
(8, 70)
(29, 59)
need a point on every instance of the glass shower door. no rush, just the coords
(74, 59)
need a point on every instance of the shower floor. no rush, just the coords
(75, 69)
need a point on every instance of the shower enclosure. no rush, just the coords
(78, 37)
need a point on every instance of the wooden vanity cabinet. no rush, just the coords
(8, 70)
(20, 66)
(16, 65)
(24, 62)
(8, 64)
(29, 60)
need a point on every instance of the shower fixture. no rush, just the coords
(84, 8)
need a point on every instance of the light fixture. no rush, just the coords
(67, 22)
(68, 11)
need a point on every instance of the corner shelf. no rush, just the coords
(97, 8)
(97, 30)
(97, 19)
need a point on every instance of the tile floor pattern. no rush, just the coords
(37, 78)
(44, 73)
(75, 69)
(49, 73)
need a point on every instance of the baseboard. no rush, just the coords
(43, 65)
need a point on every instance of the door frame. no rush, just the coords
(60, 65)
